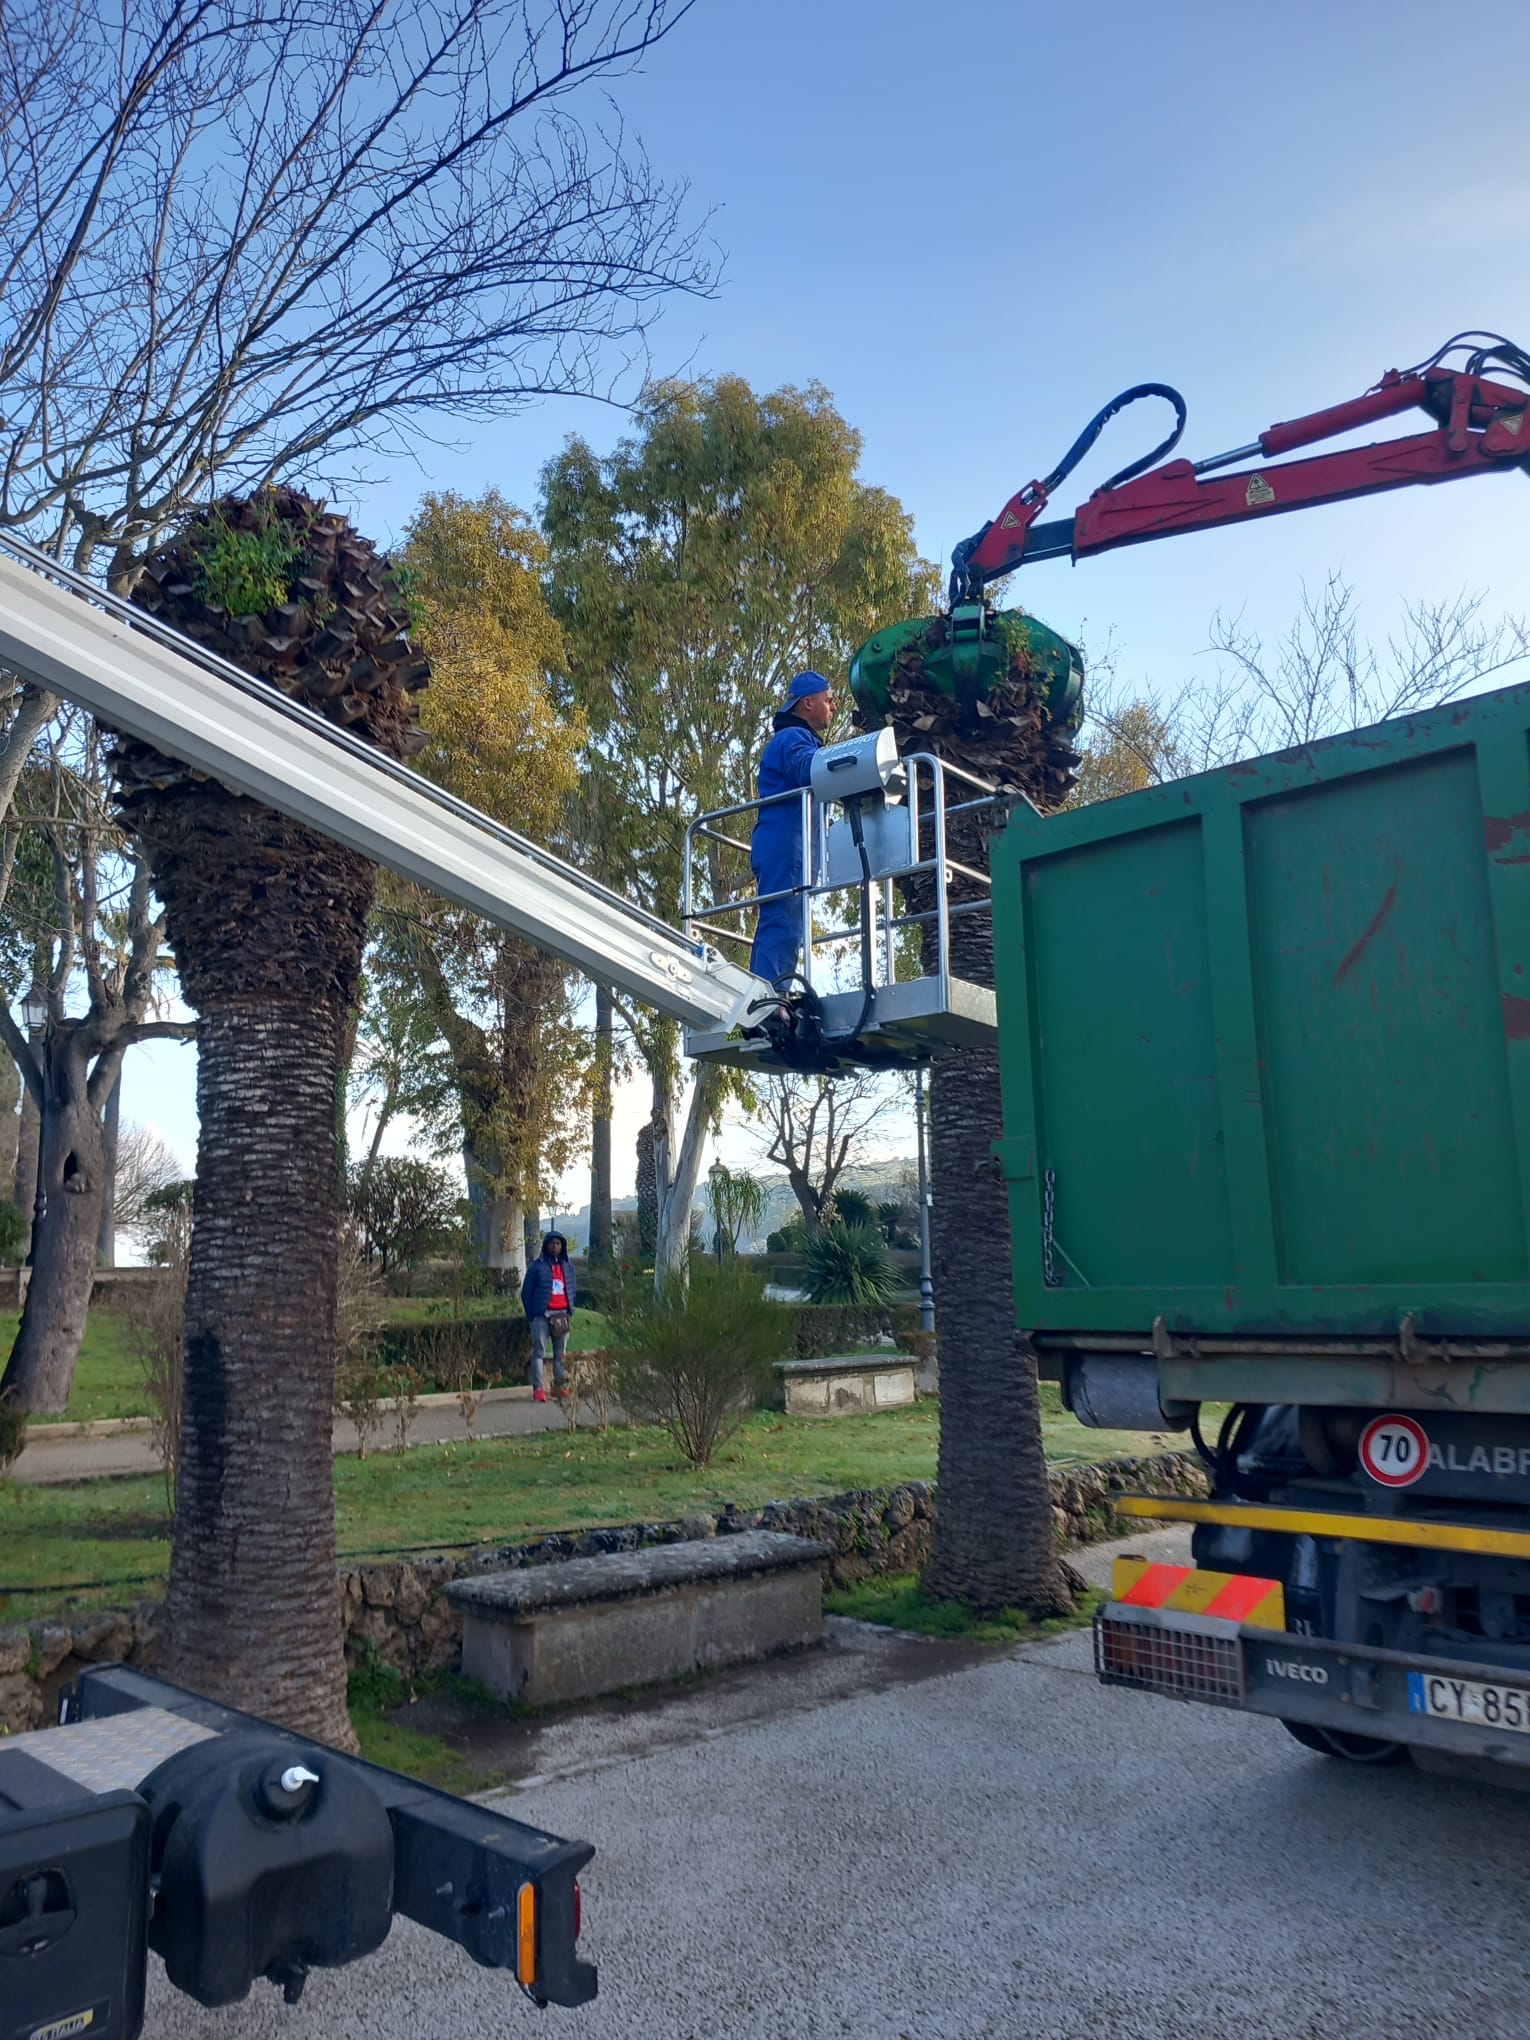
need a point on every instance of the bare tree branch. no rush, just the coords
(811, 1128)
(1321, 677)
(243, 238)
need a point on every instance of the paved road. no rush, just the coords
(890, 1839)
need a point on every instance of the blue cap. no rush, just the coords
(806, 684)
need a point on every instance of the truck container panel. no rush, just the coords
(1265, 1045)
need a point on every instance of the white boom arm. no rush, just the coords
(137, 675)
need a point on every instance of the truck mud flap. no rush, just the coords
(1351, 1687)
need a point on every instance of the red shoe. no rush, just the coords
(539, 1395)
(563, 1393)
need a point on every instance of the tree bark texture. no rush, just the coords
(24, 1195)
(678, 1170)
(499, 1223)
(599, 1246)
(11, 1089)
(993, 1544)
(647, 1188)
(254, 1607)
(71, 1173)
(106, 1243)
(267, 920)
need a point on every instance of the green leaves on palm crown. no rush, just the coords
(849, 1264)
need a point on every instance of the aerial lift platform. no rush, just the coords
(871, 818)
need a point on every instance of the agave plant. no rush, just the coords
(849, 1264)
(267, 919)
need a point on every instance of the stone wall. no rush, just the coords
(398, 1610)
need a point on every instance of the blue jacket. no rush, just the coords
(537, 1287)
(775, 849)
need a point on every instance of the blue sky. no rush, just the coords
(974, 225)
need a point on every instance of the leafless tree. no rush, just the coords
(1322, 676)
(242, 239)
(79, 897)
(145, 1163)
(811, 1127)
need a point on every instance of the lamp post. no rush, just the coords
(34, 1018)
(926, 1285)
(716, 1176)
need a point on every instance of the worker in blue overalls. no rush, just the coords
(775, 849)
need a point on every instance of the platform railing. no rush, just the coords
(930, 780)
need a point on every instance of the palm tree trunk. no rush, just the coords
(254, 1508)
(994, 1544)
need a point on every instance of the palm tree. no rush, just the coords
(993, 1544)
(267, 919)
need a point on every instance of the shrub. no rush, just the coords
(791, 1239)
(822, 1328)
(849, 1264)
(360, 1381)
(592, 1379)
(360, 1385)
(698, 1357)
(851, 1207)
(404, 1386)
(13, 1235)
(404, 1208)
(13, 1434)
(445, 1350)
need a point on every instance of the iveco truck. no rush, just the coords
(1265, 1038)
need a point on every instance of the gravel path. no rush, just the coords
(871, 1844)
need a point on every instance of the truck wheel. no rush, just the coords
(1350, 1749)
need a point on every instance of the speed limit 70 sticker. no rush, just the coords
(1394, 1451)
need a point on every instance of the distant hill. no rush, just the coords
(883, 1182)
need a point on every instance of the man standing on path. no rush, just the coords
(775, 849)
(547, 1297)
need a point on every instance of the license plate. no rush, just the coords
(1484, 1706)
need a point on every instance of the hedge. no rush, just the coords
(442, 1350)
(826, 1328)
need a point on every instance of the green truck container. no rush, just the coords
(1265, 1047)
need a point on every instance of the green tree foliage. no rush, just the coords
(738, 1205)
(470, 1028)
(723, 547)
(1126, 748)
(403, 1208)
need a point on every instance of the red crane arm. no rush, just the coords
(1483, 428)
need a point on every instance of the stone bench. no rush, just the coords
(570, 1631)
(848, 1387)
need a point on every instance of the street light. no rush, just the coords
(34, 1010)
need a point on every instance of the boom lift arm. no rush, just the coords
(65, 634)
(1481, 429)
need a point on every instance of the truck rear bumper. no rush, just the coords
(1350, 1687)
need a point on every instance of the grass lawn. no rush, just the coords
(108, 1380)
(898, 1601)
(114, 1533)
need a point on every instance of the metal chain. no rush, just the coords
(1049, 1274)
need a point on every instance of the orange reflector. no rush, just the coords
(1236, 1597)
(526, 1934)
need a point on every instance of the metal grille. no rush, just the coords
(1187, 1658)
(114, 1754)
